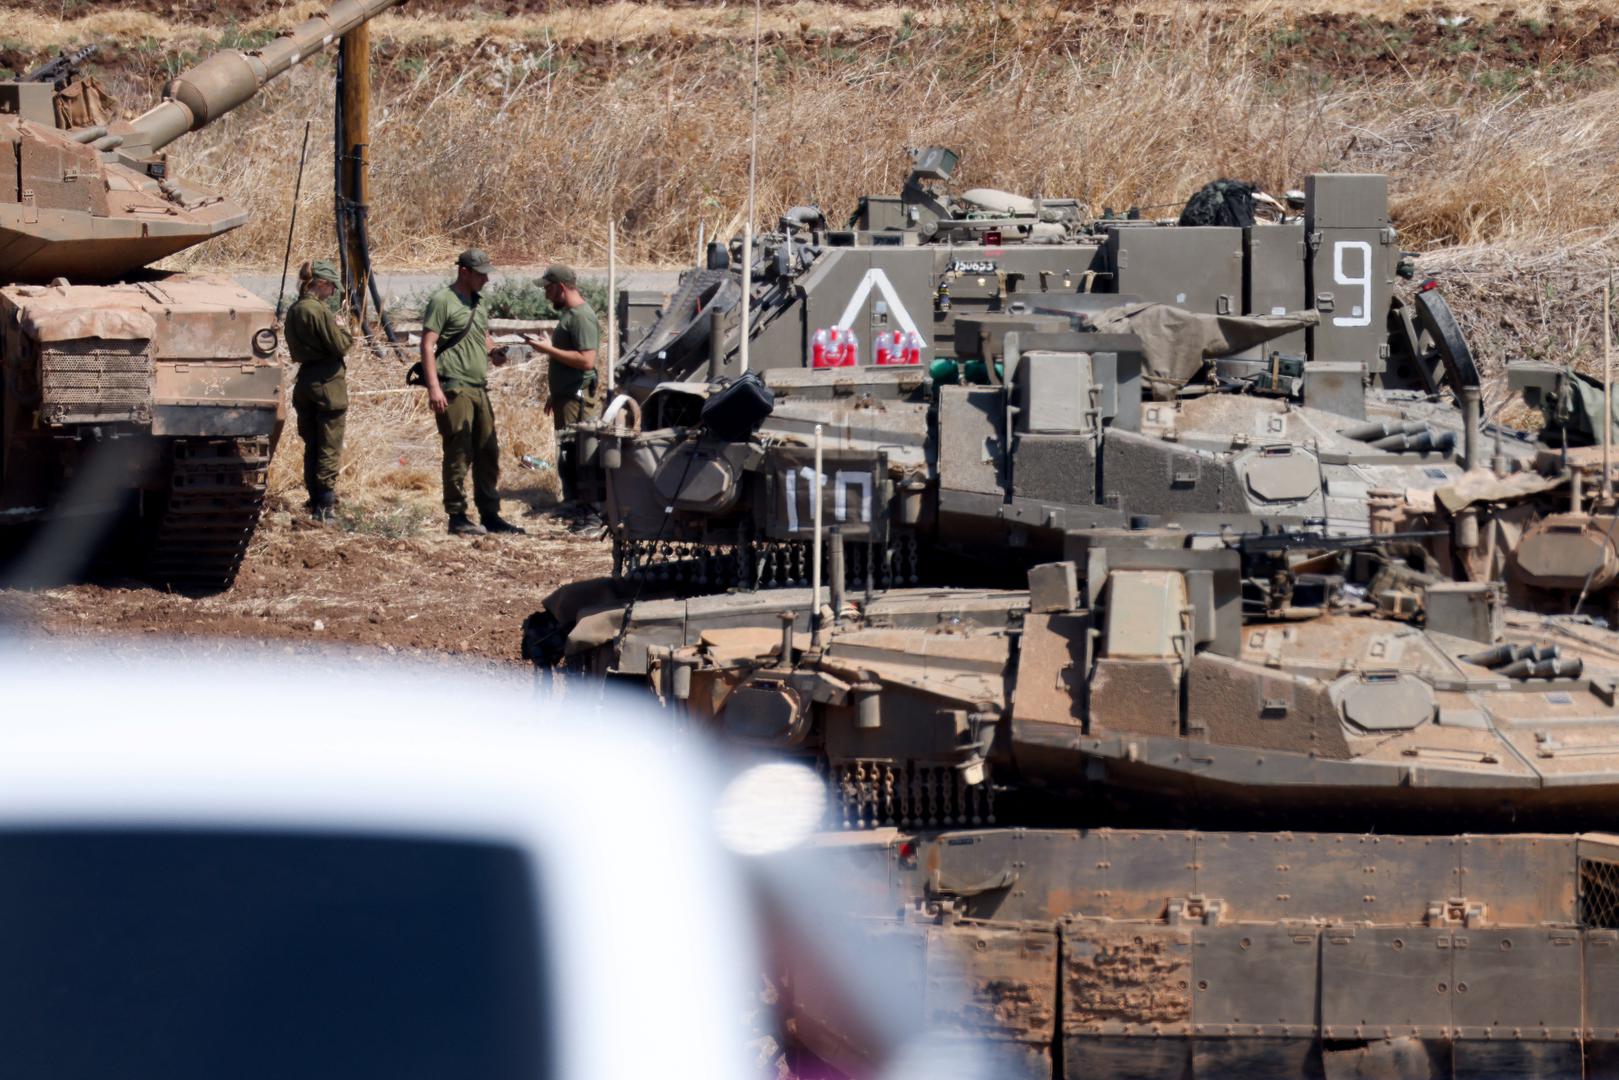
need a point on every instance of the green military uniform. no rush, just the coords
(467, 427)
(317, 343)
(573, 392)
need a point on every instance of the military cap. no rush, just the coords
(321, 270)
(557, 274)
(476, 260)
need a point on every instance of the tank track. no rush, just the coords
(216, 494)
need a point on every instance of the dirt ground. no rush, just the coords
(430, 594)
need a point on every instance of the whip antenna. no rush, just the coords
(297, 186)
(753, 175)
(1607, 387)
(612, 301)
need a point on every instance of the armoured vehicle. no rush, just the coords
(1192, 655)
(133, 398)
(1068, 374)
(1058, 374)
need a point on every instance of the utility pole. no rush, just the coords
(353, 167)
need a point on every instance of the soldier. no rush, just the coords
(318, 343)
(571, 350)
(456, 353)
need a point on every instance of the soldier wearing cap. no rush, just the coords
(318, 343)
(456, 353)
(571, 351)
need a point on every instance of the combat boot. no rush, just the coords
(323, 507)
(461, 525)
(494, 523)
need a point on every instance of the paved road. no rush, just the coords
(398, 286)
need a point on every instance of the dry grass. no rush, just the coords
(526, 153)
(523, 156)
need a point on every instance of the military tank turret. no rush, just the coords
(128, 394)
(1192, 656)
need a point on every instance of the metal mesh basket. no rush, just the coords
(96, 384)
(1599, 894)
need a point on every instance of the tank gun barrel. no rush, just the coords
(204, 93)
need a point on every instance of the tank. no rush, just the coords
(1204, 686)
(1087, 374)
(138, 408)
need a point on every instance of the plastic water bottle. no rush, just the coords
(913, 348)
(849, 347)
(529, 461)
(879, 348)
(889, 346)
(818, 349)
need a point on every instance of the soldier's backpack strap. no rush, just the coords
(417, 375)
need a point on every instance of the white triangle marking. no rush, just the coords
(879, 280)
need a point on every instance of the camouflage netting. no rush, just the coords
(1576, 413)
(1221, 202)
(1176, 342)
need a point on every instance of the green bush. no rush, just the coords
(521, 298)
(516, 298)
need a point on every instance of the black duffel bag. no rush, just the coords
(736, 412)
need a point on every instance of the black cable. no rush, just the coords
(351, 219)
(370, 276)
(354, 212)
(339, 209)
(641, 571)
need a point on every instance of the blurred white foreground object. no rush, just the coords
(255, 870)
(771, 808)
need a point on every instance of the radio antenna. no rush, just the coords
(753, 177)
(1607, 387)
(292, 224)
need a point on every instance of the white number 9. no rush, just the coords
(1359, 314)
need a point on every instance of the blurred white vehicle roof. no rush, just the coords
(644, 936)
